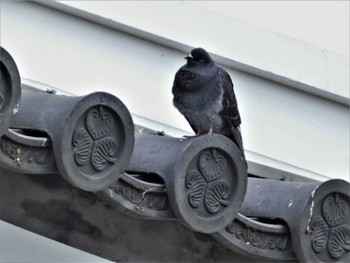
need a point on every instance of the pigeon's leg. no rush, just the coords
(210, 129)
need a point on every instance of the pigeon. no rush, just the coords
(204, 95)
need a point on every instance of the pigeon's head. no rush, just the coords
(199, 70)
(199, 56)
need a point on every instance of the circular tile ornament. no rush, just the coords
(10, 90)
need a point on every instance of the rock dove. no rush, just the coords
(203, 93)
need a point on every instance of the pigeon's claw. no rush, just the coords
(192, 136)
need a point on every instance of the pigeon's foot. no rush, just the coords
(192, 136)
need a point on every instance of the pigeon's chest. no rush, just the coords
(203, 111)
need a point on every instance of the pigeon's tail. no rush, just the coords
(237, 138)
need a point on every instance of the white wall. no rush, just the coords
(279, 121)
(266, 53)
(301, 20)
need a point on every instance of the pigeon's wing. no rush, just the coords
(230, 111)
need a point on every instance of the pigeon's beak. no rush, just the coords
(189, 57)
